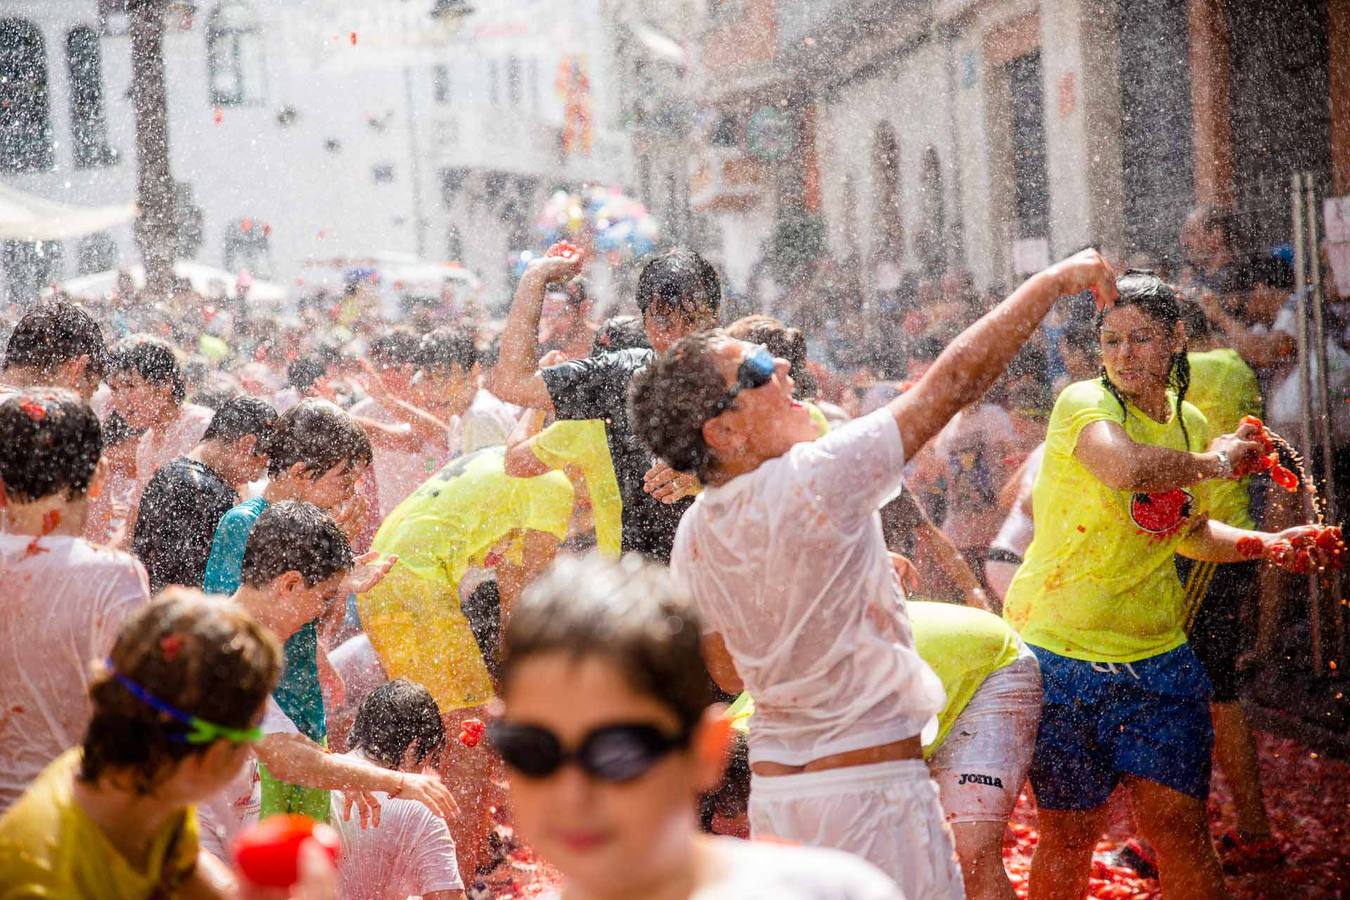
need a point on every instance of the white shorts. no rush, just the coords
(981, 766)
(887, 813)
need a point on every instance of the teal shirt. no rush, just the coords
(298, 694)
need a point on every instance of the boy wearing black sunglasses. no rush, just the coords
(784, 554)
(609, 738)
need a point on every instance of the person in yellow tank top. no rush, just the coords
(175, 708)
(1120, 491)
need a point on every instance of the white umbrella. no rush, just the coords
(205, 280)
(25, 217)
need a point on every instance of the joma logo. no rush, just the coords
(971, 778)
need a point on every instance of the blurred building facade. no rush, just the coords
(989, 134)
(304, 130)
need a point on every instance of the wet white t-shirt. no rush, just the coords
(239, 803)
(756, 870)
(787, 563)
(64, 600)
(410, 853)
(161, 446)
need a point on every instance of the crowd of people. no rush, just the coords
(699, 584)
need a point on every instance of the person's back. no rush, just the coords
(64, 601)
(64, 597)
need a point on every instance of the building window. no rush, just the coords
(234, 54)
(97, 253)
(88, 122)
(889, 216)
(932, 240)
(382, 174)
(29, 266)
(513, 81)
(247, 246)
(441, 84)
(25, 127)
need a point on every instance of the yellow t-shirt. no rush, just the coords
(49, 847)
(454, 520)
(581, 443)
(963, 645)
(1224, 388)
(1099, 582)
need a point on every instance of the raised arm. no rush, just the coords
(516, 377)
(973, 361)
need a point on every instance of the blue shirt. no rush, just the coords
(298, 693)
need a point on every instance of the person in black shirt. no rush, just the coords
(678, 293)
(184, 500)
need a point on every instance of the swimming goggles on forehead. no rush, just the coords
(756, 370)
(199, 731)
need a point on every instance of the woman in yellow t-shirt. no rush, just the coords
(176, 707)
(1099, 602)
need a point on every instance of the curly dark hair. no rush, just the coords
(153, 360)
(293, 536)
(50, 443)
(318, 434)
(671, 399)
(394, 717)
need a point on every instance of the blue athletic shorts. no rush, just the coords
(1102, 721)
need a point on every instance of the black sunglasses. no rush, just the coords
(756, 370)
(616, 753)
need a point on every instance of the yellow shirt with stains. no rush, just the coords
(1099, 582)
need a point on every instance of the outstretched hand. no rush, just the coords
(369, 571)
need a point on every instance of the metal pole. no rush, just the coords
(1301, 251)
(1321, 403)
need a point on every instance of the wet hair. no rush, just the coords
(53, 333)
(239, 417)
(619, 333)
(309, 368)
(626, 612)
(1162, 303)
(394, 348)
(204, 656)
(318, 434)
(671, 399)
(1194, 318)
(679, 279)
(447, 348)
(782, 341)
(294, 536)
(926, 349)
(153, 360)
(50, 443)
(117, 431)
(395, 717)
(1273, 271)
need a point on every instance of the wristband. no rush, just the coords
(1225, 464)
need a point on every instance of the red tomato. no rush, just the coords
(563, 249)
(471, 732)
(1251, 547)
(268, 853)
(1284, 478)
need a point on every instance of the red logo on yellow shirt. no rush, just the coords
(1163, 513)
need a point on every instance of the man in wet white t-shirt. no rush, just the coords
(64, 598)
(784, 555)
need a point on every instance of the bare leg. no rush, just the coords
(465, 771)
(1063, 860)
(1235, 752)
(980, 848)
(1178, 829)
